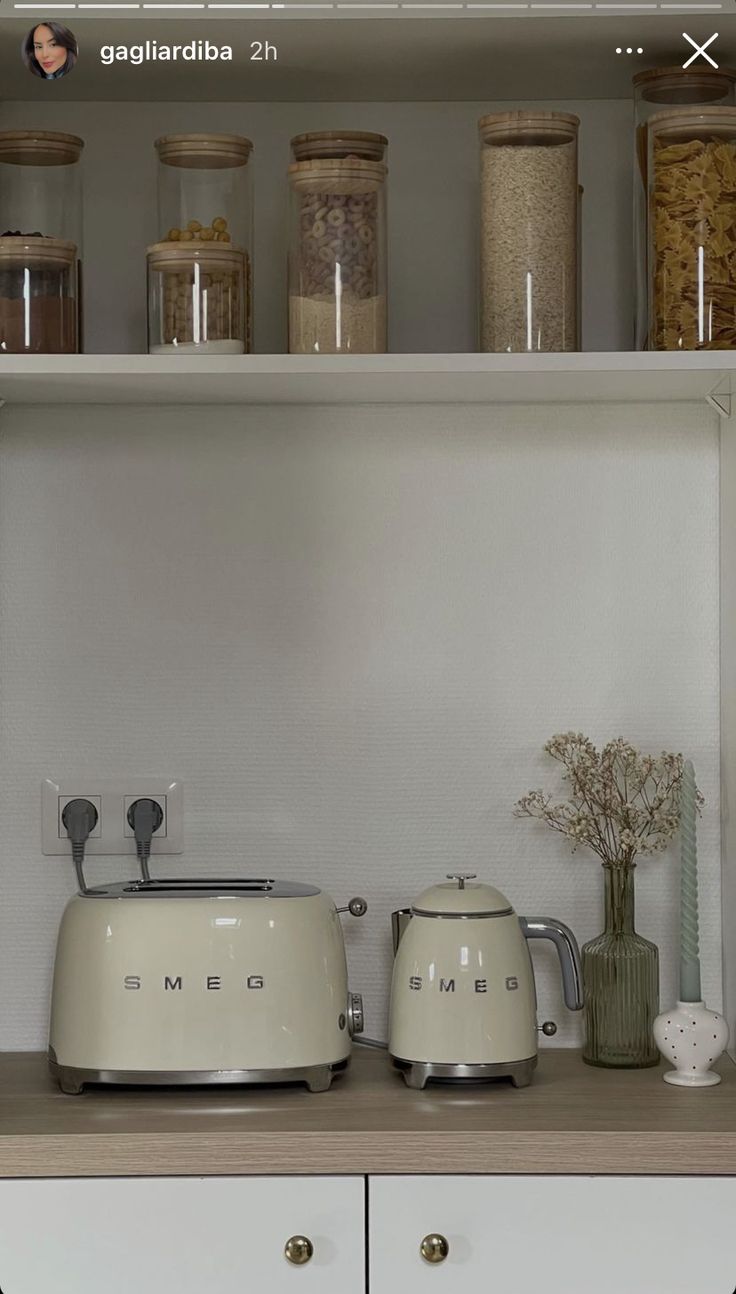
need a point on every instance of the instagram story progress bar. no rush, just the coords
(417, 9)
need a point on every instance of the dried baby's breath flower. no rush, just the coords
(621, 803)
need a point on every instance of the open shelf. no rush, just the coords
(368, 379)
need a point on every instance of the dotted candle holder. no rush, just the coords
(692, 1038)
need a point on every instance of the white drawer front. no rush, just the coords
(566, 1235)
(180, 1235)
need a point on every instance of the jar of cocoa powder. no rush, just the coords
(337, 244)
(40, 241)
(196, 299)
(529, 232)
(205, 200)
(38, 296)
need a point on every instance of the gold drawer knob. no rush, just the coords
(434, 1248)
(298, 1250)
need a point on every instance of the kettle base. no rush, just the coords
(417, 1073)
(72, 1080)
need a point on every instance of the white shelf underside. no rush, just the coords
(368, 379)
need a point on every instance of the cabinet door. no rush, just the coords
(180, 1235)
(563, 1235)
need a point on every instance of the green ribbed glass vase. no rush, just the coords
(621, 983)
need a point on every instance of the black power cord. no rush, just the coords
(145, 817)
(80, 819)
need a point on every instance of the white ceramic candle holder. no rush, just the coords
(692, 1038)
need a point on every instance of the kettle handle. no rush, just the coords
(567, 951)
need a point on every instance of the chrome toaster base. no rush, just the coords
(417, 1073)
(72, 1080)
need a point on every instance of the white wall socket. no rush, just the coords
(112, 799)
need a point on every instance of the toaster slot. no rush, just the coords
(199, 885)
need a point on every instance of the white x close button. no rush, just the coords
(700, 49)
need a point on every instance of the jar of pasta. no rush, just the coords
(196, 299)
(337, 244)
(655, 90)
(692, 229)
(529, 232)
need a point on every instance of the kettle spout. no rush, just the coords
(567, 951)
(399, 921)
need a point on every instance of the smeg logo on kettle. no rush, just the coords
(416, 984)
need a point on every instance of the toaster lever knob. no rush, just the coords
(298, 1250)
(356, 1018)
(434, 1248)
(549, 1028)
(357, 907)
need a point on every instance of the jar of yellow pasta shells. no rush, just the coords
(205, 210)
(692, 229)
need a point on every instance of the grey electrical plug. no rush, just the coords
(80, 819)
(145, 817)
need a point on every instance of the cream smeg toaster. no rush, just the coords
(202, 981)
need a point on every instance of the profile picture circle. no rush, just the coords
(50, 50)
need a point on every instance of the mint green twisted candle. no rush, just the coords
(690, 990)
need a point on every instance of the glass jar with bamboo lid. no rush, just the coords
(196, 299)
(205, 199)
(38, 296)
(655, 90)
(337, 244)
(40, 241)
(691, 169)
(529, 232)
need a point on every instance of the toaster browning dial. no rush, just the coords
(356, 1018)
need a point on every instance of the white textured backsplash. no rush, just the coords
(349, 632)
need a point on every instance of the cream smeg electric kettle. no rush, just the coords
(463, 999)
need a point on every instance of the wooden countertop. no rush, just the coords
(573, 1119)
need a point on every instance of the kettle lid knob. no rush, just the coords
(461, 878)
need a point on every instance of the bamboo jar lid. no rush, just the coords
(689, 85)
(174, 258)
(37, 253)
(692, 122)
(528, 128)
(337, 175)
(339, 143)
(204, 152)
(39, 148)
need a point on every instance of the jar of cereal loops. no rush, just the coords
(196, 299)
(529, 235)
(337, 244)
(205, 202)
(692, 216)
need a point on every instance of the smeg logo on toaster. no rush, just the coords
(175, 983)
